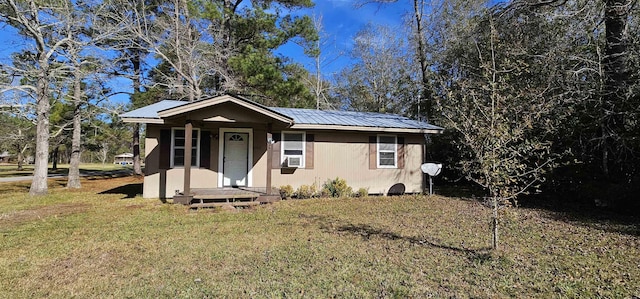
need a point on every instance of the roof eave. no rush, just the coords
(142, 120)
(365, 129)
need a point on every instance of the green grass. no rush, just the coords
(99, 243)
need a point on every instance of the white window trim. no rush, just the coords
(303, 161)
(173, 146)
(395, 152)
(250, 165)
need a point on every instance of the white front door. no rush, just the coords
(235, 159)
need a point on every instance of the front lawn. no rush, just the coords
(100, 242)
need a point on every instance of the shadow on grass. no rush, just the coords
(459, 190)
(578, 213)
(105, 174)
(129, 190)
(561, 207)
(367, 232)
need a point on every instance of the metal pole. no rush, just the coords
(430, 186)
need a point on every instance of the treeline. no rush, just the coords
(540, 97)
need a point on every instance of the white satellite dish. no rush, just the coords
(432, 169)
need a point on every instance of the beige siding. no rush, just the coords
(200, 178)
(150, 188)
(151, 149)
(336, 154)
(346, 155)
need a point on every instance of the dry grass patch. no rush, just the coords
(112, 245)
(18, 217)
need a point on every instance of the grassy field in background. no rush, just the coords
(11, 170)
(104, 241)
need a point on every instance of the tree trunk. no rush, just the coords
(137, 168)
(73, 179)
(425, 94)
(20, 158)
(424, 98)
(104, 152)
(137, 85)
(54, 158)
(494, 224)
(615, 19)
(41, 167)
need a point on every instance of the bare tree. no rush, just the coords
(173, 35)
(80, 67)
(16, 134)
(37, 22)
(381, 79)
(323, 55)
(423, 23)
(104, 152)
(504, 129)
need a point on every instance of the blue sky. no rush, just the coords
(341, 22)
(9, 42)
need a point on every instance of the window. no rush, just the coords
(177, 147)
(236, 137)
(387, 151)
(293, 149)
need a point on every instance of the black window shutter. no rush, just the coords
(275, 151)
(165, 149)
(373, 152)
(400, 152)
(205, 149)
(309, 151)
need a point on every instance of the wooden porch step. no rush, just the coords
(248, 196)
(223, 194)
(221, 204)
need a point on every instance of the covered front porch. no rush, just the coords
(227, 141)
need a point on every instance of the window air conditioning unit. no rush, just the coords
(294, 161)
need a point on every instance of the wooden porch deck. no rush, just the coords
(235, 197)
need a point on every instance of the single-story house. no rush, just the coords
(234, 142)
(123, 159)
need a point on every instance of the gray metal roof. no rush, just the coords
(151, 111)
(352, 118)
(308, 116)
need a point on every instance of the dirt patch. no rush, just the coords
(18, 217)
(93, 264)
(134, 207)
